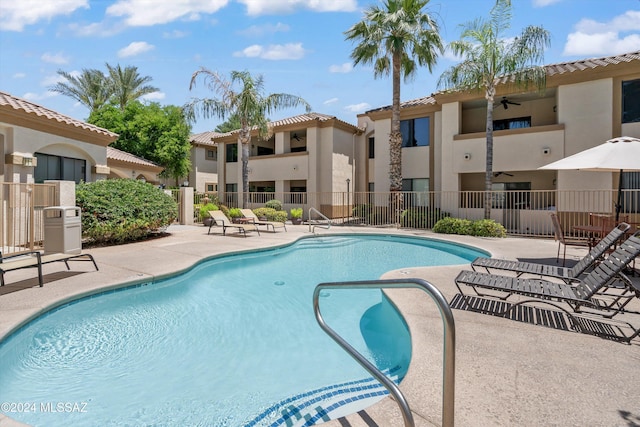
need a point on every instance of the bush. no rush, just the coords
(482, 227)
(296, 212)
(274, 204)
(271, 214)
(234, 213)
(453, 226)
(421, 217)
(123, 210)
(204, 210)
(488, 228)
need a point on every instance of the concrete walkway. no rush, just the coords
(508, 372)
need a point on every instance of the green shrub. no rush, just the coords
(274, 204)
(453, 226)
(482, 227)
(234, 213)
(488, 228)
(123, 210)
(296, 213)
(421, 217)
(204, 210)
(271, 214)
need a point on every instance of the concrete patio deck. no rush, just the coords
(508, 372)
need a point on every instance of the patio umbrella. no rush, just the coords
(617, 154)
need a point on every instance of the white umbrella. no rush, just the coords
(616, 154)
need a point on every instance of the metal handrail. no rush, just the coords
(312, 225)
(448, 369)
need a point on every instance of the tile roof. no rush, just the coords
(123, 156)
(204, 138)
(296, 120)
(552, 69)
(19, 104)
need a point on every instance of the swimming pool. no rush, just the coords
(232, 342)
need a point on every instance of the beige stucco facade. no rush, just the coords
(580, 108)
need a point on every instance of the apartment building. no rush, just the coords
(585, 103)
(203, 176)
(308, 153)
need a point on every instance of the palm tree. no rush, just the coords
(128, 85)
(396, 39)
(249, 105)
(487, 56)
(91, 88)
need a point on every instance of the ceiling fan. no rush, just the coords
(296, 137)
(497, 174)
(505, 102)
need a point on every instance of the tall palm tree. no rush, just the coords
(487, 56)
(128, 85)
(396, 39)
(248, 103)
(91, 88)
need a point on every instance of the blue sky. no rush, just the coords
(298, 46)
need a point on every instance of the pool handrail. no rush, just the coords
(325, 223)
(448, 368)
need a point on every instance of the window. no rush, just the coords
(630, 199)
(631, 101)
(59, 168)
(415, 132)
(232, 153)
(372, 148)
(264, 151)
(299, 149)
(418, 189)
(516, 123)
(212, 154)
(211, 188)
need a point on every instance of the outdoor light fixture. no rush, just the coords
(467, 156)
(27, 161)
(546, 150)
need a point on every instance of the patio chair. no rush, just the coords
(589, 293)
(558, 235)
(548, 270)
(248, 213)
(220, 219)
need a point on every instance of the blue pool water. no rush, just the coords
(233, 342)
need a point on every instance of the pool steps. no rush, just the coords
(323, 404)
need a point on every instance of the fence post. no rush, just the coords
(186, 206)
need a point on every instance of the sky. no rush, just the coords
(297, 46)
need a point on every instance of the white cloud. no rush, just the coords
(604, 38)
(56, 58)
(543, 3)
(358, 108)
(32, 96)
(138, 13)
(154, 96)
(175, 34)
(342, 68)
(19, 75)
(16, 14)
(135, 48)
(96, 29)
(273, 52)
(271, 7)
(51, 80)
(261, 30)
(330, 101)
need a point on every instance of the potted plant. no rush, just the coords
(234, 214)
(204, 213)
(296, 216)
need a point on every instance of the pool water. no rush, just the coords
(232, 342)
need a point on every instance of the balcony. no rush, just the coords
(514, 149)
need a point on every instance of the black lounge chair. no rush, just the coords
(34, 259)
(548, 270)
(589, 295)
